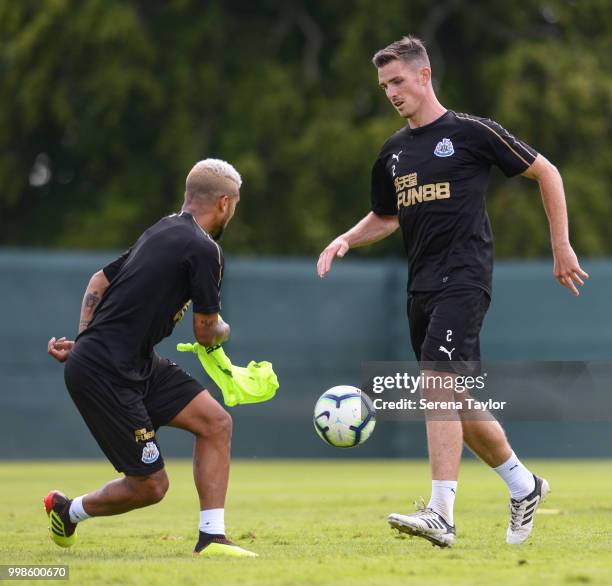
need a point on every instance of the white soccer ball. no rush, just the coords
(344, 417)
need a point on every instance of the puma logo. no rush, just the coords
(396, 157)
(449, 352)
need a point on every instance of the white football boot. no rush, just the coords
(426, 523)
(523, 511)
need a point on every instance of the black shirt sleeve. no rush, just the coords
(205, 270)
(495, 145)
(112, 269)
(382, 193)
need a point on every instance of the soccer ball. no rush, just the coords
(344, 417)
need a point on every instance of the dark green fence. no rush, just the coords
(317, 334)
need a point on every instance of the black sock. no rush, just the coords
(207, 538)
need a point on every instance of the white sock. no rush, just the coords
(213, 521)
(519, 480)
(77, 512)
(442, 498)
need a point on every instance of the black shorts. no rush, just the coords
(445, 328)
(123, 416)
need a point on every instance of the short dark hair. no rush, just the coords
(406, 49)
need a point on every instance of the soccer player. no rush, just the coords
(430, 180)
(125, 391)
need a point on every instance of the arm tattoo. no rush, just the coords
(91, 300)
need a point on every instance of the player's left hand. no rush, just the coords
(567, 269)
(60, 349)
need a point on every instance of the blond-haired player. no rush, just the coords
(125, 391)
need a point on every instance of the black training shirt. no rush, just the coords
(152, 284)
(435, 178)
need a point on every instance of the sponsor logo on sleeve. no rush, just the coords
(178, 316)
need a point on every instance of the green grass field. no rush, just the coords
(315, 522)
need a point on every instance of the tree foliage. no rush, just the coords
(105, 105)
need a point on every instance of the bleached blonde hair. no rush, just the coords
(211, 178)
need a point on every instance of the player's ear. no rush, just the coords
(222, 203)
(425, 75)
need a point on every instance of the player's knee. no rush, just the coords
(159, 490)
(219, 426)
(438, 386)
(223, 425)
(153, 488)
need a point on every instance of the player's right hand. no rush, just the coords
(336, 248)
(60, 349)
